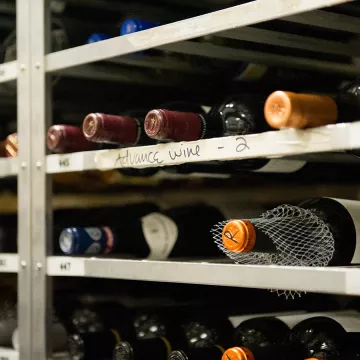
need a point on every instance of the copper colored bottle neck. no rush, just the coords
(238, 353)
(67, 138)
(11, 145)
(105, 128)
(291, 110)
(163, 124)
(239, 236)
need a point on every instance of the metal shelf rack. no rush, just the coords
(33, 263)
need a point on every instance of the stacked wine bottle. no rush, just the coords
(110, 331)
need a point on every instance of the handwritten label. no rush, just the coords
(224, 148)
(127, 158)
(66, 266)
(139, 158)
(241, 144)
(186, 152)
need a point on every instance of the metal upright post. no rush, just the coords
(24, 176)
(40, 31)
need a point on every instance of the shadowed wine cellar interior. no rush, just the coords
(179, 180)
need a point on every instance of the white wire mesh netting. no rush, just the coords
(301, 238)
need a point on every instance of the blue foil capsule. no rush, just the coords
(87, 240)
(96, 37)
(134, 25)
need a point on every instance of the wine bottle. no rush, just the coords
(126, 130)
(149, 326)
(158, 348)
(291, 110)
(267, 331)
(87, 320)
(255, 353)
(237, 115)
(130, 26)
(191, 329)
(96, 37)
(67, 139)
(317, 337)
(160, 235)
(196, 333)
(258, 339)
(11, 145)
(57, 333)
(8, 317)
(341, 218)
(297, 170)
(96, 345)
(212, 353)
(8, 233)
(266, 77)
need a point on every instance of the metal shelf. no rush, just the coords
(8, 167)
(8, 71)
(9, 263)
(8, 354)
(242, 15)
(273, 144)
(317, 49)
(326, 280)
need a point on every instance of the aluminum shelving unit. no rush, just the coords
(34, 263)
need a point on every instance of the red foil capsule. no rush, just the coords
(173, 125)
(66, 139)
(113, 129)
(11, 145)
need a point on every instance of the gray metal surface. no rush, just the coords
(228, 53)
(327, 20)
(40, 183)
(325, 280)
(34, 187)
(237, 16)
(24, 178)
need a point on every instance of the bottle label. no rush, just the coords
(353, 207)
(282, 166)
(251, 72)
(160, 233)
(98, 240)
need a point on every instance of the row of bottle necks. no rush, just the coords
(317, 232)
(239, 114)
(89, 334)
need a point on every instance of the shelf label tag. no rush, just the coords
(66, 266)
(8, 263)
(8, 354)
(65, 162)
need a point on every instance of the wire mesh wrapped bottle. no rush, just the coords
(317, 232)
